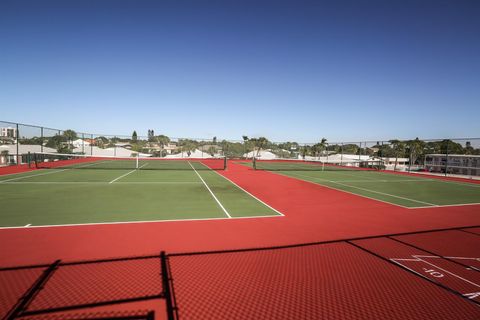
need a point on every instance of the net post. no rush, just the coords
(341, 154)
(254, 163)
(225, 163)
(136, 162)
(28, 159)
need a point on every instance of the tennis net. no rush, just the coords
(76, 161)
(316, 165)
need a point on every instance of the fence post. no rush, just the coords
(341, 153)
(41, 139)
(17, 137)
(410, 158)
(91, 145)
(446, 159)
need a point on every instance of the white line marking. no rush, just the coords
(208, 188)
(405, 267)
(250, 194)
(28, 171)
(33, 175)
(123, 175)
(349, 192)
(103, 182)
(134, 222)
(374, 181)
(451, 273)
(450, 205)
(28, 225)
(465, 258)
(43, 173)
(126, 174)
(368, 190)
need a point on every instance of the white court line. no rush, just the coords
(45, 173)
(450, 205)
(28, 225)
(372, 191)
(439, 257)
(349, 192)
(126, 174)
(367, 181)
(100, 182)
(135, 222)
(33, 175)
(451, 273)
(251, 195)
(208, 188)
(405, 267)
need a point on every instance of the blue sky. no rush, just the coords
(287, 70)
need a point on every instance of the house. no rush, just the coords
(9, 152)
(8, 132)
(389, 162)
(461, 164)
(79, 143)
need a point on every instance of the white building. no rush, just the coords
(461, 164)
(389, 162)
(8, 132)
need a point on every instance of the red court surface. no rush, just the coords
(343, 280)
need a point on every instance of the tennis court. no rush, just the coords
(366, 180)
(83, 190)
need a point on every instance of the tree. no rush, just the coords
(151, 135)
(134, 136)
(70, 135)
(214, 140)
(245, 139)
(415, 149)
(319, 148)
(399, 148)
(211, 150)
(57, 142)
(163, 141)
(259, 144)
(101, 141)
(187, 145)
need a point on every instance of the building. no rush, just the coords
(389, 163)
(461, 164)
(8, 132)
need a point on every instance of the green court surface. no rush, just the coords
(403, 190)
(70, 196)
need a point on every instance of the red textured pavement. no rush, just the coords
(330, 281)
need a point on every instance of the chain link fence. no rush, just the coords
(454, 157)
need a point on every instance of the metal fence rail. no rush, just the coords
(448, 156)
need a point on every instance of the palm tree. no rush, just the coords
(162, 140)
(416, 148)
(245, 139)
(398, 147)
(70, 135)
(261, 142)
(322, 145)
